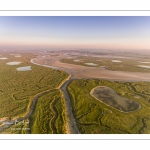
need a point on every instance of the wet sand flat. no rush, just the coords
(65, 65)
(115, 75)
(80, 72)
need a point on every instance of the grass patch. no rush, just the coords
(92, 116)
(19, 87)
(49, 116)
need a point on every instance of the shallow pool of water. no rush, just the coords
(144, 66)
(91, 64)
(13, 63)
(26, 68)
(3, 58)
(116, 61)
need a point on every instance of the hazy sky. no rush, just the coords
(75, 32)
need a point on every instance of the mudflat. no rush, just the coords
(110, 97)
(81, 72)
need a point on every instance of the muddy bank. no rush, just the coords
(71, 125)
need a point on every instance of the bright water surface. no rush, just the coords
(26, 68)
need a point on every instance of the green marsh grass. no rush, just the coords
(18, 88)
(92, 116)
(49, 114)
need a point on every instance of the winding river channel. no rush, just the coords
(71, 127)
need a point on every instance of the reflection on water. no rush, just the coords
(91, 64)
(26, 68)
(144, 66)
(116, 61)
(3, 58)
(13, 63)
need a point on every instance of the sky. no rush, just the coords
(75, 32)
